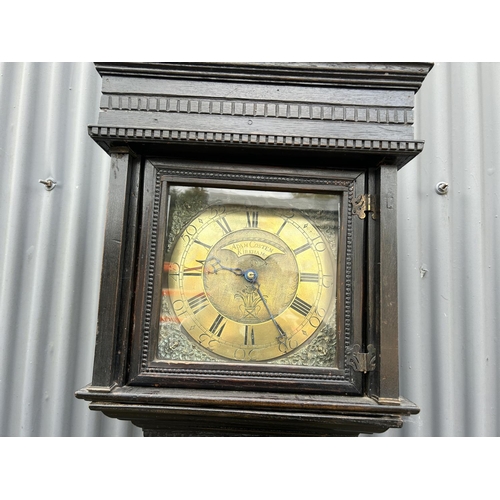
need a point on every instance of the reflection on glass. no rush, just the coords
(250, 276)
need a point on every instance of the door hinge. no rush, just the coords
(362, 361)
(365, 203)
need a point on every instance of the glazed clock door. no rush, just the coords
(245, 278)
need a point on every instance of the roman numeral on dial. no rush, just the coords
(309, 277)
(224, 225)
(198, 302)
(202, 244)
(281, 228)
(253, 219)
(192, 271)
(249, 335)
(301, 306)
(301, 249)
(216, 327)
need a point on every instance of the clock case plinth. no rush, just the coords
(276, 119)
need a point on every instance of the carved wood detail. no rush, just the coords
(251, 108)
(136, 133)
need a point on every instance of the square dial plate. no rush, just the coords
(249, 276)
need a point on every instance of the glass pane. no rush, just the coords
(250, 276)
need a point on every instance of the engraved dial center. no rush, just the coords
(256, 254)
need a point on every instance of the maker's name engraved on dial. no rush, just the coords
(254, 246)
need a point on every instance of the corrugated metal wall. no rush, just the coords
(51, 249)
(449, 248)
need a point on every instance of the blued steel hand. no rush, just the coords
(251, 276)
(282, 335)
(220, 267)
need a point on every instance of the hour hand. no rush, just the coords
(217, 266)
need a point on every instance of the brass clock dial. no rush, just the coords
(250, 283)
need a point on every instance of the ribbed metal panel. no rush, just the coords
(51, 251)
(449, 274)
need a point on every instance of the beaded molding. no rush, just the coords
(149, 134)
(151, 274)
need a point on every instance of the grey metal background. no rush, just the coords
(51, 251)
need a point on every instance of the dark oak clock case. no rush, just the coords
(294, 128)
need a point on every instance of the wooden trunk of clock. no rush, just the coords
(249, 278)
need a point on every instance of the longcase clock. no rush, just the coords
(249, 281)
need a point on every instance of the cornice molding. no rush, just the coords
(142, 134)
(407, 76)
